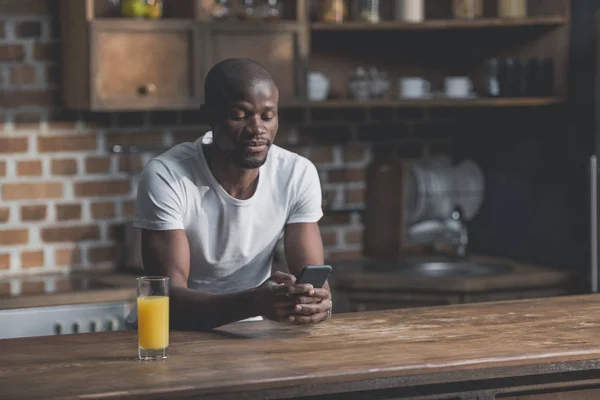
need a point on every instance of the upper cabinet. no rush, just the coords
(366, 54)
(117, 63)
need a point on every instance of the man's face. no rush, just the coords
(245, 129)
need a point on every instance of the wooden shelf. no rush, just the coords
(442, 24)
(478, 102)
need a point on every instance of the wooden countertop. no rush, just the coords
(122, 287)
(471, 343)
(357, 275)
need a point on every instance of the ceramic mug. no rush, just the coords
(413, 87)
(458, 86)
(318, 86)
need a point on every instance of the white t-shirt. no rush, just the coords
(231, 241)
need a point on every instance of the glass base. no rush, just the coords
(154, 354)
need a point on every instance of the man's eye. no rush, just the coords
(269, 116)
(238, 117)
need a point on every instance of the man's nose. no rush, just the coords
(256, 126)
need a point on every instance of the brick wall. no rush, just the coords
(64, 194)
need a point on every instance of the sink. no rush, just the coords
(435, 269)
(453, 268)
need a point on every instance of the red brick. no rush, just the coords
(32, 259)
(67, 257)
(46, 51)
(41, 190)
(102, 254)
(67, 143)
(29, 98)
(70, 234)
(151, 139)
(13, 145)
(128, 208)
(346, 175)
(64, 167)
(27, 120)
(335, 219)
(355, 195)
(338, 255)
(2, 168)
(9, 237)
(132, 163)
(322, 155)
(5, 263)
(28, 29)
(33, 213)
(354, 237)
(4, 214)
(354, 154)
(97, 165)
(68, 212)
(102, 188)
(329, 239)
(29, 168)
(104, 209)
(32, 287)
(23, 75)
(12, 52)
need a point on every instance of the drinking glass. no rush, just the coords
(153, 317)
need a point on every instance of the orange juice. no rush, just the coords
(153, 322)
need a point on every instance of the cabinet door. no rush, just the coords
(281, 48)
(145, 65)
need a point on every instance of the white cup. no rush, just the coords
(318, 86)
(410, 10)
(413, 87)
(458, 86)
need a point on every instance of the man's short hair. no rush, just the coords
(230, 77)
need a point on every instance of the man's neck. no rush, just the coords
(238, 182)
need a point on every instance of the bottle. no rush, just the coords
(512, 8)
(410, 10)
(467, 9)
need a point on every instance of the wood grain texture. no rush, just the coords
(477, 345)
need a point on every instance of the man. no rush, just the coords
(212, 211)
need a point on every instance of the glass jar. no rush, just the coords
(368, 11)
(272, 10)
(512, 8)
(467, 9)
(334, 11)
(221, 9)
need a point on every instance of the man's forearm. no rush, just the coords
(192, 309)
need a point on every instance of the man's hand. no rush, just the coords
(312, 308)
(277, 296)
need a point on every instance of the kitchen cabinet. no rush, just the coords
(132, 65)
(111, 63)
(281, 48)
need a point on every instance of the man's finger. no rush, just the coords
(294, 289)
(305, 300)
(309, 309)
(308, 319)
(283, 278)
(321, 294)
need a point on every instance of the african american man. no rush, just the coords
(211, 212)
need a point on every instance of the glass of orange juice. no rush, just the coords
(153, 317)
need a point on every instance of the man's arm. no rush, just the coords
(304, 246)
(167, 253)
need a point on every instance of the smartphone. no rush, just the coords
(316, 275)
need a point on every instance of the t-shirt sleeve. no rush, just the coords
(159, 204)
(307, 206)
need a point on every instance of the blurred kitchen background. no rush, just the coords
(453, 140)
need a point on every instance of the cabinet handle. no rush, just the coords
(147, 90)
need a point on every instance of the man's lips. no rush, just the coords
(255, 147)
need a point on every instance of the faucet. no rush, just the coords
(454, 233)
